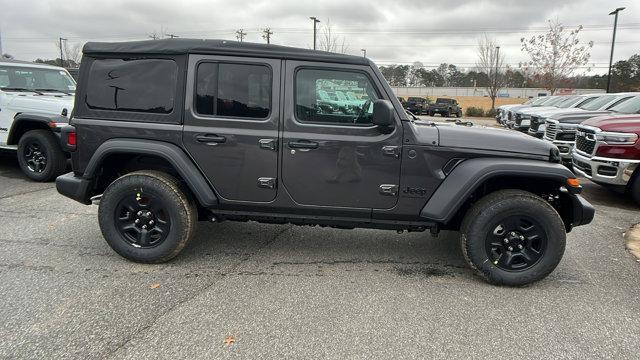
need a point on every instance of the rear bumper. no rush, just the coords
(604, 170)
(74, 187)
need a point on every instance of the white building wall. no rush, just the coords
(405, 91)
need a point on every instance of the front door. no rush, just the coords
(332, 154)
(231, 124)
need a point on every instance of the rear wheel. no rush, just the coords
(459, 113)
(40, 156)
(513, 237)
(147, 217)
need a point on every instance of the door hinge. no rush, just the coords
(267, 144)
(267, 183)
(391, 150)
(389, 190)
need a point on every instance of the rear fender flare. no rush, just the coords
(180, 161)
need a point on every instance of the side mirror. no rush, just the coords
(383, 113)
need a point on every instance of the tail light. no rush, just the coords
(69, 138)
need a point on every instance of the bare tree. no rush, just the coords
(556, 55)
(331, 42)
(73, 53)
(491, 62)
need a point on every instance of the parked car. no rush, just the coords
(539, 102)
(207, 132)
(599, 106)
(35, 102)
(607, 152)
(445, 107)
(523, 116)
(417, 105)
(501, 111)
(560, 129)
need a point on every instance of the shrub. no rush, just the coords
(490, 113)
(474, 111)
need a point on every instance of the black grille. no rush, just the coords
(583, 144)
(535, 123)
(586, 168)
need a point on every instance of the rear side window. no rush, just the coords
(137, 85)
(233, 90)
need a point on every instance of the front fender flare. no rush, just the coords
(41, 119)
(465, 178)
(180, 161)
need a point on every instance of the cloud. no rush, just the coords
(392, 31)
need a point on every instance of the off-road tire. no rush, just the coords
(459, 113)
(180, 206)
(447, 113)
(56, 161)
(477, 224)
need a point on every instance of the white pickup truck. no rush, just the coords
(36, 101)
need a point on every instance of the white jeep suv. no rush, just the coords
(36, 101)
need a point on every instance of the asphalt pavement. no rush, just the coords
(280, 291)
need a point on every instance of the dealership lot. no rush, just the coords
(284, 291)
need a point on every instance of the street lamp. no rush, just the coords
(364, 52)
(613, 42)
(315, 21)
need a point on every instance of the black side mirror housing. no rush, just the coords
(383, 113)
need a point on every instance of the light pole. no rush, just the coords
(315, 21)
(613, 42)
(61, 39)
(364, 52)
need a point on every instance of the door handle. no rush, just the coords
(210, 139)
(303, 144)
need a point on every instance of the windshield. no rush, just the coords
(597, 103)
(554, 101)
(567, 102)
(631, 106)
(17, 78)
(584, 101)
(444, 101)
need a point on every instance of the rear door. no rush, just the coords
(231, 124)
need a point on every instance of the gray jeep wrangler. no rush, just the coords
(169, 132)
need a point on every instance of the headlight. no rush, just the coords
(617, 138)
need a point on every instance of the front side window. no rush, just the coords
(233, 90)
(334, 97)
(138, 85)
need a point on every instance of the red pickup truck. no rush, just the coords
(607, 151)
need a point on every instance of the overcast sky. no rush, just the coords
(400, 31)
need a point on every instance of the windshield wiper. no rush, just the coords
(54, 90)
(8, 88)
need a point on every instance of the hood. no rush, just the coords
(576, 117)
(484, 138)
(537, 109)
(48, 103)
(617, 123)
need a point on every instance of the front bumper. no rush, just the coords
(604, 170)
(74, 187)
(565, 148)
(582, 212)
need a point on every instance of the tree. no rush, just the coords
(414, 73)
(490, 62)
(396, 75)
(625, 74)
(556, 55)
(331, 42)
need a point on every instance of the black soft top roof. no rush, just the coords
(217, 47)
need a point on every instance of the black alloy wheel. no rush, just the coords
(142, 219)
(516, 243)
(35, 156)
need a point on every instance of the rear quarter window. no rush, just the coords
(132, 85)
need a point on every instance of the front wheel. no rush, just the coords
(634, 188)
(459, 113)
(40, 156)
(147, 217)
(513, 237)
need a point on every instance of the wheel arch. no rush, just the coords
(475, 178)
(116, 156)
(24, 122)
